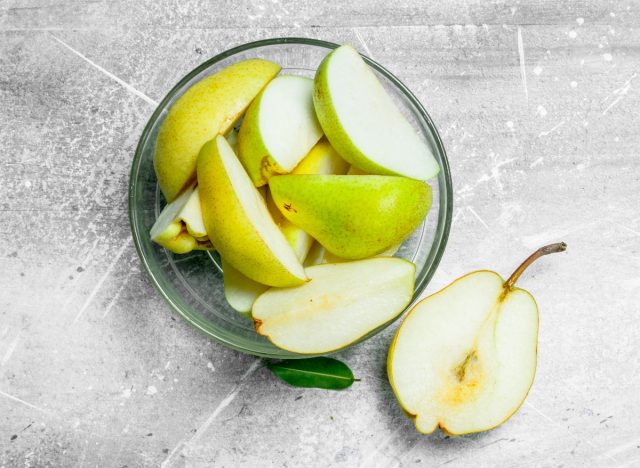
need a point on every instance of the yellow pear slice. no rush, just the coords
(342, 303)
(465, 357)
(238, 222)
(279, 128)
(240, 291)
(209, 107)
(179, 227)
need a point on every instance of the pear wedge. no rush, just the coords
(363, 123)
(209, 107)
(180, 228)
(464, 358)
(240, 291)
(341, 304)
(238, 221)
(279, 128)
(353, 217)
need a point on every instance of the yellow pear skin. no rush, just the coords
(463, 359)
(238, 222)
(209, 107)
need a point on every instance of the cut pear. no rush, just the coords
(363, 123)
(238, 221)
(240, 291)
(180, 228)
(279, 128)
(341, 304)
(353, 217)
(465, 357)
(328, 257)
(316, 255)
(207, 108)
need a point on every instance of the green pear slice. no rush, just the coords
(209, 107)
(353, 217)
(464, 358)
(238, 222)
(279, 128)
(179, 227)
(363, 123)
(341, 304)
(240, 291)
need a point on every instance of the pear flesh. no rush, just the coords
(240, 291)
(353, 217)
(341, 304)
(363, 123)
(207, 108)
(464, 358)
(279, 128)
(179, 227)
(238, 221)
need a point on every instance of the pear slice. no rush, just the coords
(363, 123)
(342, 303)
(238, 221)
(279, 128)
(316, 255)
(179, 227)
(328, 257)
(240, 291)
(464, 358)
(209, 107)
(353, 217)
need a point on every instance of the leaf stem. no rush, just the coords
(546, 250)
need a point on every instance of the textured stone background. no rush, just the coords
(537, 102)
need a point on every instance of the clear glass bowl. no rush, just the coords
(192, 283)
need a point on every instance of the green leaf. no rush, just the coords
(318, 372)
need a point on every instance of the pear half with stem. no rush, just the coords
(464, 358)
(363, 123)
(341, 304)
(179, 227)
(353, 217)
(209, 107)
(238, 221)
(279, 128)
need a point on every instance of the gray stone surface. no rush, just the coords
(537, 102)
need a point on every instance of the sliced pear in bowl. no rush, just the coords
(363, 123)
(341, 304)
(279, 128)
(238, 221)
(353, 217)
(240, 291)
(179, 227)
(464, 358)
(207, 108)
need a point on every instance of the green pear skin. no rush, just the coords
(353, 217)
(209, 107)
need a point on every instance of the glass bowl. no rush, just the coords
(192, 283)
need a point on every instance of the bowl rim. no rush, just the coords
(445, 196)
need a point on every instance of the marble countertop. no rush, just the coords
(537, 104)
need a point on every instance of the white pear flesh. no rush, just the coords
(240, 291)
(341, 304)
(363, 123)
(464, 358)
(238, 221)
(191, 214)
(279, 128)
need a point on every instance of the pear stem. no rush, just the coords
(542, 251)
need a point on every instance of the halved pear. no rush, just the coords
(240, 291)
(363, 123)
(342, 303)
(179, 227)
(464, 358)
(209, 107)
(353, 217)
(238, 221)
(279, 128)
